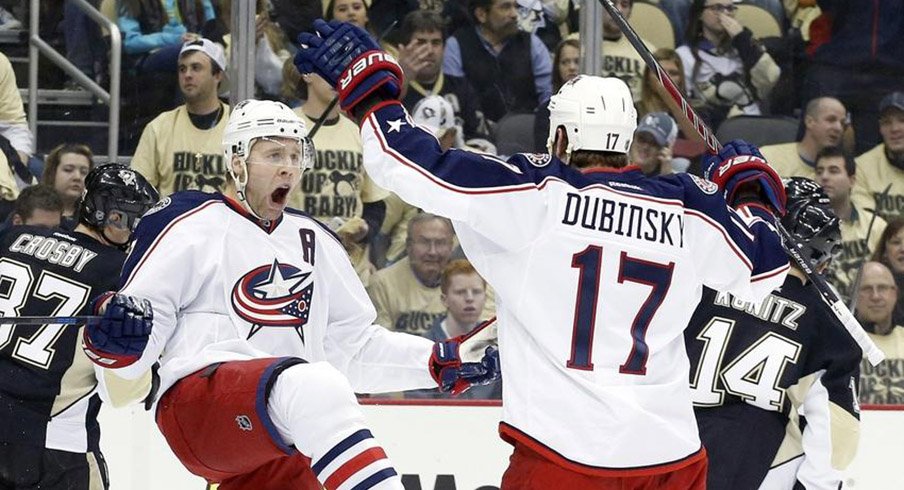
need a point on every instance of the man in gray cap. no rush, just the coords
(652, 147)
(182, 149)
(884, 164)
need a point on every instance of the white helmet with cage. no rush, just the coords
(597, 114)
(253, 119)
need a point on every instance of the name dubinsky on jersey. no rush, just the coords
(47, 384)
(596, 274)
(753, 366)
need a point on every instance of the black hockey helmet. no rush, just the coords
(115, 189)
(799, 189)
(811, 221)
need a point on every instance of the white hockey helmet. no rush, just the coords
(252, 119)
(597, 113)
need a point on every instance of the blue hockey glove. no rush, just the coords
(350, 60)
(479, 367)
(741, 165)
(456, 377)
(120, 337)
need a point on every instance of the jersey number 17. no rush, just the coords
(589, 263)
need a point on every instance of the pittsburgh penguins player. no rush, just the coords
(49, 396)
(756, 367)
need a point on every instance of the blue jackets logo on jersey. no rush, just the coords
(275, 295)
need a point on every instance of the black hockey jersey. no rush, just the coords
(754, 368)
(47, 384)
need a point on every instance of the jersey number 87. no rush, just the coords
(16, 280)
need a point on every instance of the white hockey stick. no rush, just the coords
(873, 353)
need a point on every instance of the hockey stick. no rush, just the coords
(873, 353)
(319, 122)
(56, 320)
(858, 279)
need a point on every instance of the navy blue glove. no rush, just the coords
(740, 164)
(454, 376)
(350, 60)
(120, 337)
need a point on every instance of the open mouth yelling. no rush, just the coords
(279, 195)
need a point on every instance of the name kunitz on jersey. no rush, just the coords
(623, 219)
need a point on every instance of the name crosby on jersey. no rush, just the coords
(774, 309)
(55, 251)
(623, 219)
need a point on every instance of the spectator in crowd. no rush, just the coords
(728, 72)
(421, 56)
(653, 97)
(38, 205)
(85, 45)
(824, 121)
(337, 190)
(354, 11)
(154, 30)
(566, 65)
(389, 246)
(407, 293)
(890, 252)
(9, 190)
(181, 149)
(271, 46)
(295, 17)
(435, 114)
(620, 58)
(652, 146)
(65, 169)
(855, 55)
(884, 164)
(882, 384)
(860, 231)
(510, 69)
(464, 294)
(13, 125)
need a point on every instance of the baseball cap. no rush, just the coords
(892, 100)
(434, 113)
(661, 126)
(216, 52)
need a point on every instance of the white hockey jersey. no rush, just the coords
(224, 288)
(596, 276)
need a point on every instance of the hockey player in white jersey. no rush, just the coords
(262, 329)
(596, 267)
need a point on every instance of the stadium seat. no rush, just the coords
(515, 134)
(774, 7)
(653, 25)
(759, 20)
(759, 130)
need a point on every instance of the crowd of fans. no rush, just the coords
(471, 68)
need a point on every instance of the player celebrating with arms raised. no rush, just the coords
(248, 299)
(756, 369)
(597, 268)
